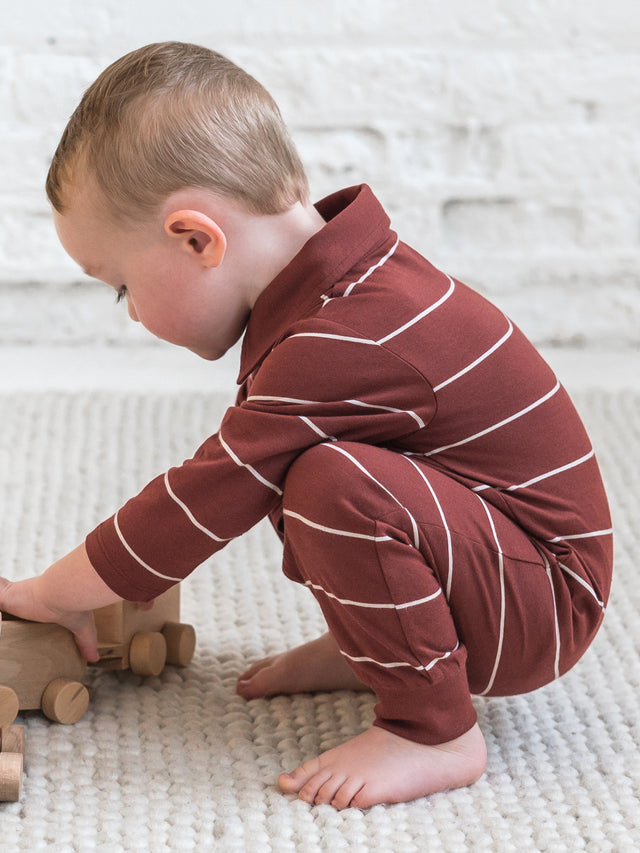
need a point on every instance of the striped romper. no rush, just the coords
(431, 481)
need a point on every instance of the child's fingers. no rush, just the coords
(15, 599)
(88, 648)
(22, 599)
(83, 627)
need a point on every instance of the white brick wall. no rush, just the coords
(504, 138)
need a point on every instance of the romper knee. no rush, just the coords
(319, 476)
(335, 485)
(313, 506)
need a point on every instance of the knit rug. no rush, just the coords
(181, 763)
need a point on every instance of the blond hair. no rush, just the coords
(172, 115)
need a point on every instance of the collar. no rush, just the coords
(356, 224)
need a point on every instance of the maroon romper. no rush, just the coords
(431, 480)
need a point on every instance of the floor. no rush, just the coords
(180, 762)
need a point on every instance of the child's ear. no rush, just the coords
(198, 234)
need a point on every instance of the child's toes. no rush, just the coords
(347, 794)
(253, 687)
(309, 791)
(327, 791)
(253, 669)
(293, 783)
(259, 681)
(290, 783)
(365, 798)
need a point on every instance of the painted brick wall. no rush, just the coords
(503, 137)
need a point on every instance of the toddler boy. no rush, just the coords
(430, 479)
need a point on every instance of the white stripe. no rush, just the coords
(316, 429)
(422, 314)
(508, 420)
(538, 479)
(551, 473)
(480, 359)
(188, 512)
(334, 337)
(580, 580)
(273, 399)
(370, 605)
(502, 600)
(556, 663)
(444, 524)
(268, 398)
(334, 530)
(249, 468)
(378, 483)
(396, 664)
(411, 414)
(582, 535)
(418, 601)
(372, 268)
(388, 337)
(138, 559)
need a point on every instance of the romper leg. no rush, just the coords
(430, 593)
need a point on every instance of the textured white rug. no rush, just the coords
(180, 763)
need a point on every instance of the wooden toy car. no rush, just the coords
(130, 637)
(40, 668)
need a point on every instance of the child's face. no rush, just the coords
(174, 296)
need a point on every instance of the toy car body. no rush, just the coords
(130, 637)
(39, 664)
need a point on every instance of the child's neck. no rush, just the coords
(260, 247)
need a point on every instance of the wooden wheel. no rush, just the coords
(181, 643)
(148, 653)
(9, 705)
(10, 776)
(65, 701)
(12, 739)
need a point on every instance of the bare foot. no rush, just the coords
(380, 767)
(314, 666)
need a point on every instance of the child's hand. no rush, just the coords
(67, 593)
(22, 598)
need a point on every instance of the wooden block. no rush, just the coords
(117, 623)
(166, 608)
(109, 623)
(10, 776)
(12, 739)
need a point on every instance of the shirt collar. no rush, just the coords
(356, 224)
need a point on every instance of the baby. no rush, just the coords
(430, 479)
